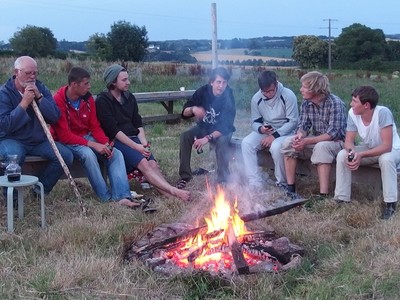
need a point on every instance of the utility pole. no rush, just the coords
(329, 42)
(214, 41)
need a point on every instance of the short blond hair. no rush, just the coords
(316, 83)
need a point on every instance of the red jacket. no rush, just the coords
(74, 124)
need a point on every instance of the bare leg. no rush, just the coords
(324, 171)
(153, 175)
(290, 169)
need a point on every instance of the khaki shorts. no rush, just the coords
(320, 153)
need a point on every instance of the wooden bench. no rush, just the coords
(167, 100)
(34, 164)
(369, 175)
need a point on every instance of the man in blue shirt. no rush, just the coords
(20, 130)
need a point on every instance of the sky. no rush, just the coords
(77, 20)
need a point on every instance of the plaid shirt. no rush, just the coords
(327, 117)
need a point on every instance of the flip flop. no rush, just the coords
(181, 184)
(146, 206)
(200, 171)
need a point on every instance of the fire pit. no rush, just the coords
(223, 246)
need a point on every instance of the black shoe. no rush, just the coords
(389, 211)
(319, 197)
(340, 202)
(289, 190)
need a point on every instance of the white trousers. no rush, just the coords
(250, 146)
(388, 163)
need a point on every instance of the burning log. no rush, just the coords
(190, 233)
(197, 252)
(229, 247)
(236, 251)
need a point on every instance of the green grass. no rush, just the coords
(349, 252)
(276, 52)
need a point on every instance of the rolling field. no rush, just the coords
(234, 55)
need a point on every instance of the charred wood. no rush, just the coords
(236, 251)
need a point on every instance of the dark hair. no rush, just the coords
(266, 78)
(220, 71)
(77, 74)
(366, 93)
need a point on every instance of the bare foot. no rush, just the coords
(182, 194)
(129, 203)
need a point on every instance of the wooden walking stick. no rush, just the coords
(57, 153)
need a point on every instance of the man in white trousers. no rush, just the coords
(380, 144)
(274, 116)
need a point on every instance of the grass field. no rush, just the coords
(350, 252)
(238, 55)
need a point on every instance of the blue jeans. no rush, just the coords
(53, 171)
(116, 172)
(132, 157)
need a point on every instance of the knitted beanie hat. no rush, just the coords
(111, 73)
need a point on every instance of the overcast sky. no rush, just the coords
(77, 20)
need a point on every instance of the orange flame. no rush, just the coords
(210, 245)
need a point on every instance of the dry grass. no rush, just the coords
(350, 253)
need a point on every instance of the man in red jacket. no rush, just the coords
(79, 129)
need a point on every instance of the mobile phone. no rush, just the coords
(267, 126)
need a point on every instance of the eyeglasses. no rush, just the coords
(35, 73)
(270, 91)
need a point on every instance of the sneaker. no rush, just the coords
(388, 211)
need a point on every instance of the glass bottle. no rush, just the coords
(13, 169)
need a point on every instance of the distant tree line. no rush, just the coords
(357, 47)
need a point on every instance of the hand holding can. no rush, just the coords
(198, 150)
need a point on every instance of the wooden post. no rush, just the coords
(60, 158)
(214, 41)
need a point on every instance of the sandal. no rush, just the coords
(181, 184)
(146, 206)
(200, 171)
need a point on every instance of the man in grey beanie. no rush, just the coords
(111, 74)
(118, 113)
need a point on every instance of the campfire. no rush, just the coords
(222, 246)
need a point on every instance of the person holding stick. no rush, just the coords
(79, 130)
(21, 132)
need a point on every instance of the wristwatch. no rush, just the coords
(210, 137)
(38, 98)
